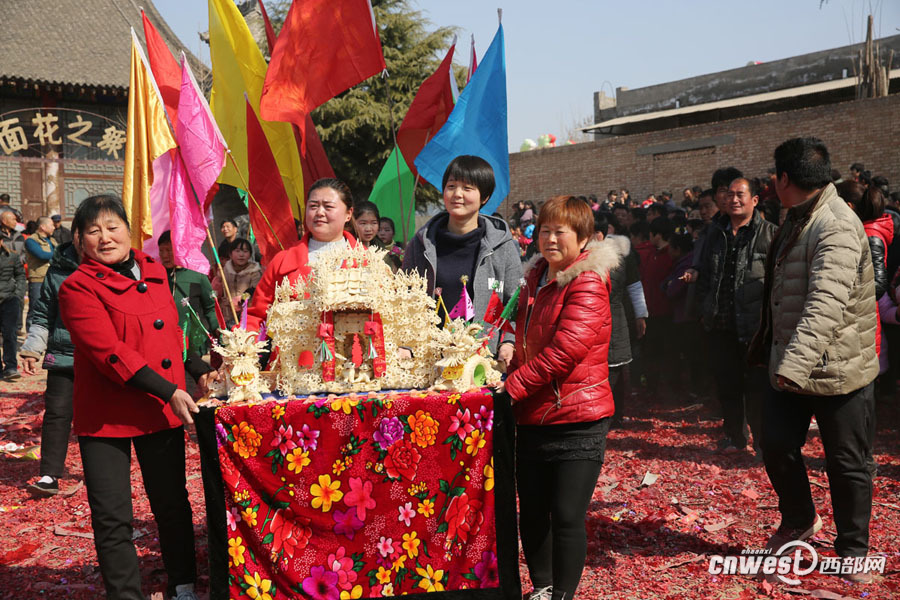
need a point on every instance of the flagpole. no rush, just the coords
(387, 90)
(416, 183)
(250, 195)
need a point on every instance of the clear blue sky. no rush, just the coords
(559, 52)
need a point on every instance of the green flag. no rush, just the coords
(386, 195)
(509, 311)
(242, 194)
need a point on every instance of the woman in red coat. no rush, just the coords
(329, 207)
(129, 389)
(559, 386)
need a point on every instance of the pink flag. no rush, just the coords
(463, 308)
(200, 158)
(186, 217)
(159, 201)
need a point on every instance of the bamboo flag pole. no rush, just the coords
(250, 195)
(212, 245)
(209, 237)
(416, 182)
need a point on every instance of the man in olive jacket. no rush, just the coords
(818, 334)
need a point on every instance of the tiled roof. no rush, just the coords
(81, 42)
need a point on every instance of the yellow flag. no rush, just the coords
(237, 67)
(149, 136)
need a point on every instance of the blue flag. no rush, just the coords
(477, 126)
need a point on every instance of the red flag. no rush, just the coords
(270, 31)
(210, 195)
(428, 112)
(325, 47)
(165, 68)
(313, 159)
(270, 214)
(494, 309)
(220, 316)
(473, 61)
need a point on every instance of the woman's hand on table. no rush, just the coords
(183, 405)
(204, 381)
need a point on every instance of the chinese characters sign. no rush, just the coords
(73, 130)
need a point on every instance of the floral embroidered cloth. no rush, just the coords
(359, 496)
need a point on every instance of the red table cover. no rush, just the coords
(359, 496)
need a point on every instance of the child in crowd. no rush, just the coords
(366, 224)
(685, 333)
(387, 235)
(242, 274)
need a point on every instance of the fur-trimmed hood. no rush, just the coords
(599, 257)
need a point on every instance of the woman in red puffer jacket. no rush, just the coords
(868, 204)
(559, 386)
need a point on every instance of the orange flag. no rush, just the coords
(325, 47)
(269, 206)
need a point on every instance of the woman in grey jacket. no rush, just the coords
(460, 243)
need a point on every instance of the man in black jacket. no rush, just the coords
(729, 292)
(12, 287)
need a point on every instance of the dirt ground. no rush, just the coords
(647, 538)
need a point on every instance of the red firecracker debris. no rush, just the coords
(644, 541)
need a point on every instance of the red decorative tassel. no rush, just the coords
(326, 332)
(375, 329)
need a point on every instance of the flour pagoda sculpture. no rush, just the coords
(342, 330)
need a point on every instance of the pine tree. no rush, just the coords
(356, 127)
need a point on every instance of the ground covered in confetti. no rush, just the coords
(665, 503)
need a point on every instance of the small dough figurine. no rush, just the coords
(240, 353)
(465, 361)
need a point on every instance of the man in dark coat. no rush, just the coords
(12, 288)
(729, 292)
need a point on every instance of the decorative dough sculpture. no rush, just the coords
(340, 331)
(240, 354)
(466, 361)
(352, 306)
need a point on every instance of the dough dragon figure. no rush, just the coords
(240, 352)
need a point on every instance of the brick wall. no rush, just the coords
(864, 131)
